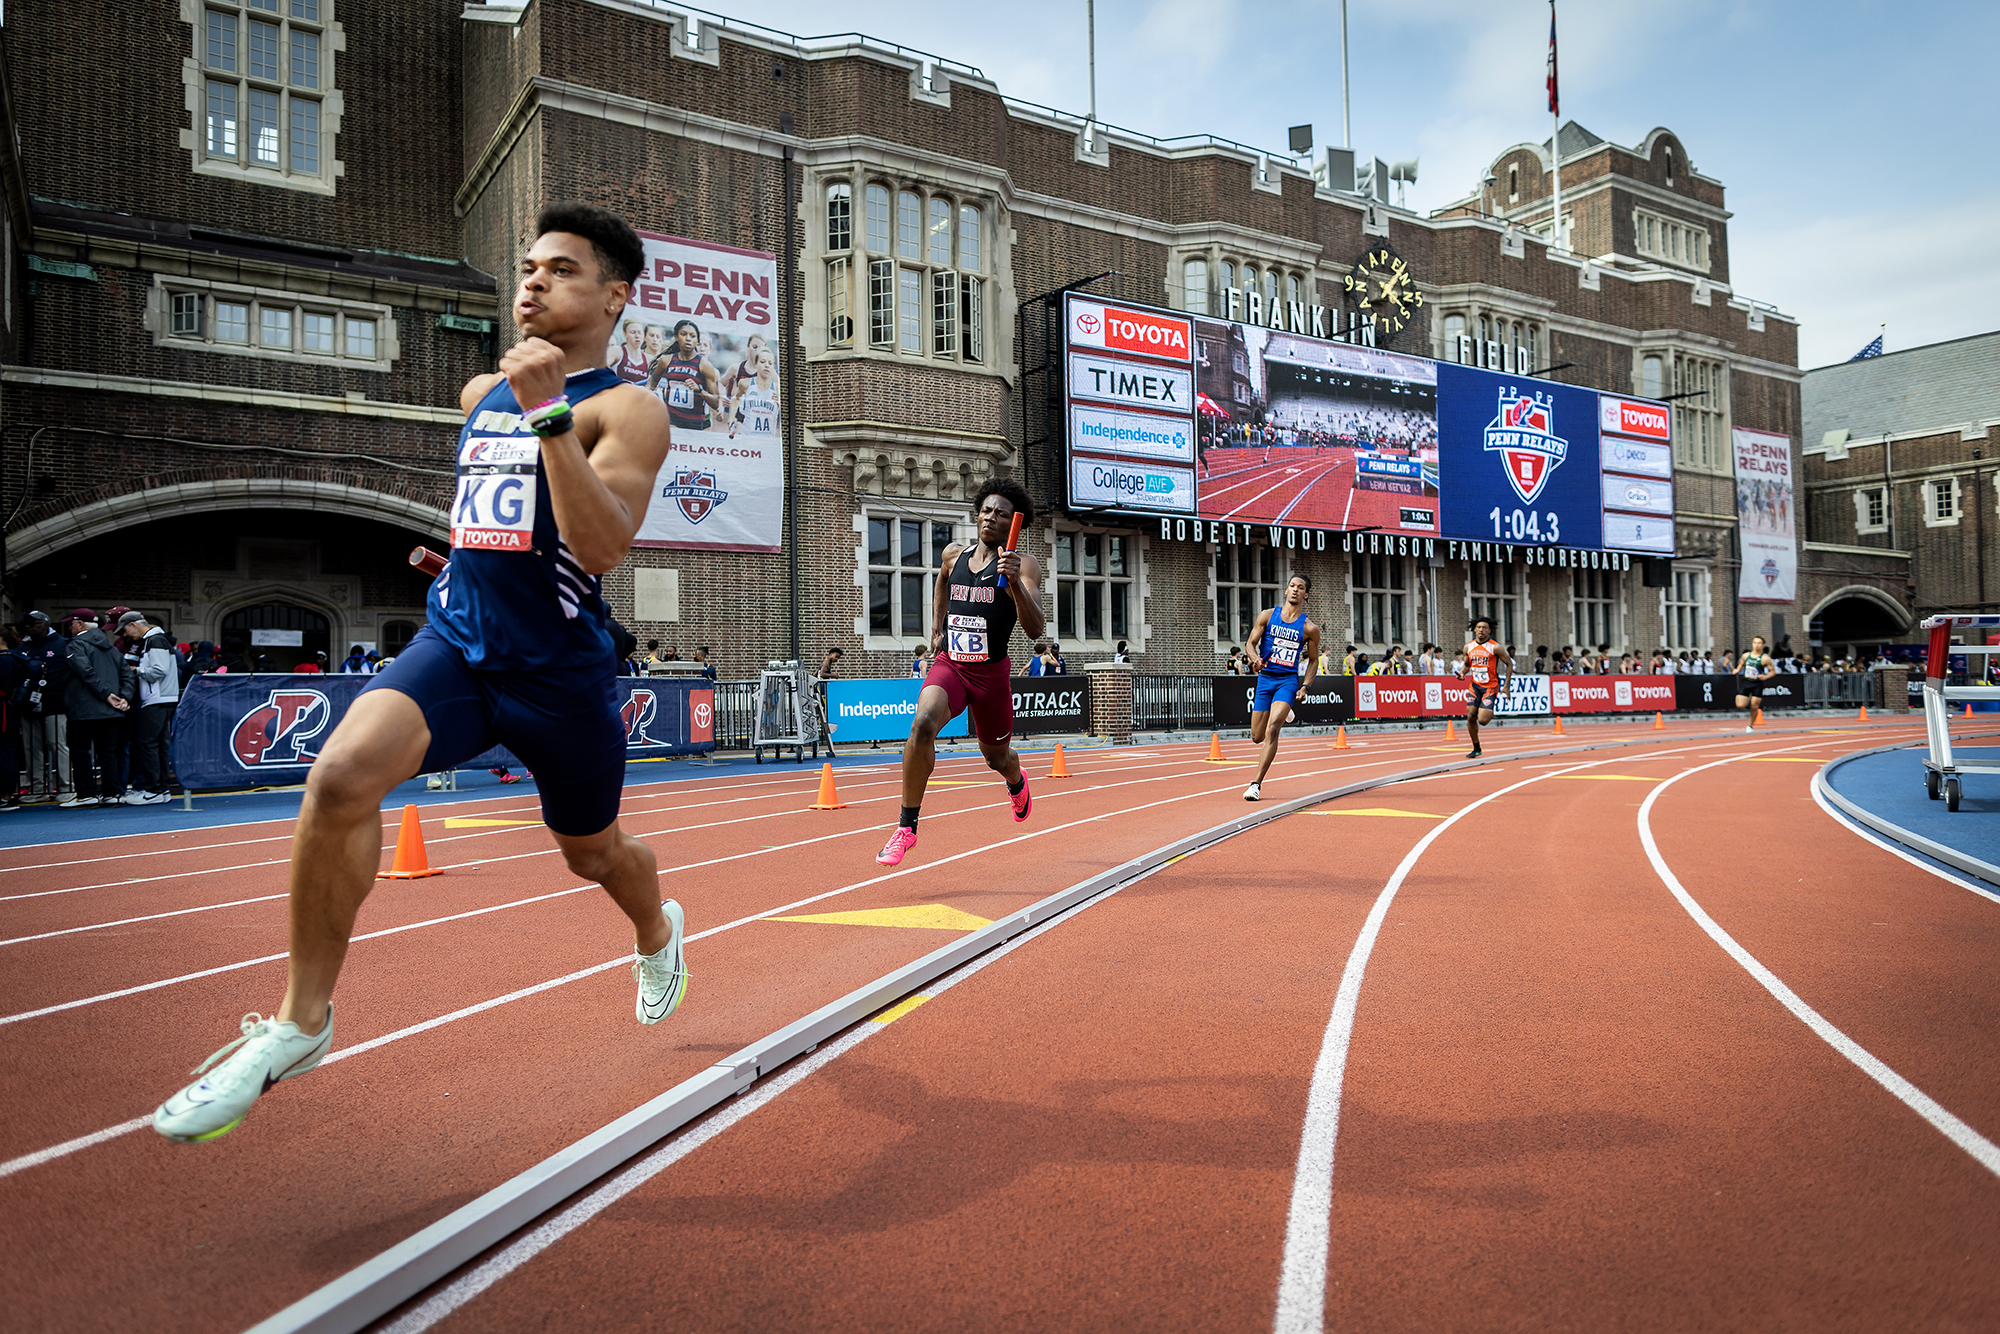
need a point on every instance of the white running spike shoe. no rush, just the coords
(663, 977)
(269, 1052)
(1255, 792)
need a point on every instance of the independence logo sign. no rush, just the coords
(1520, 433)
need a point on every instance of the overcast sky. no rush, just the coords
(1855, 138)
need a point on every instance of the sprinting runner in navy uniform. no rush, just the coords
(686, 381)
(556, 464)
(1284, 652)
(972, 620)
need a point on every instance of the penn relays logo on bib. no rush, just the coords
(695, 492)
(284, 729)
(1520, 433)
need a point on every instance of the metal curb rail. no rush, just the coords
(1965, 862)
(376, 1287)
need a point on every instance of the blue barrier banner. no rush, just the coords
(878, 710)
(266, 730)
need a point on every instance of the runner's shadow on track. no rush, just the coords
(344, 1250)
(1456, 1162)
(938, 1154)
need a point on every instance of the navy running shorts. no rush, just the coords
(1273, 686)
(563, 725)
(1481, 697)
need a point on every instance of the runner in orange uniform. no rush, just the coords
(1484, 656)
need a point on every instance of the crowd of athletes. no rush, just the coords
(1566, 660)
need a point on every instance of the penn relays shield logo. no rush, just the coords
(695, 492)
(284, 729)
(1520, 434)
(641, 708)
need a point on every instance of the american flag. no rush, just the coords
(1554, 109)
(1874, 349)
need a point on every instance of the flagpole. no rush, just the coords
(1555, 135)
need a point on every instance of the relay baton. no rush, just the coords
(1013, 536)
(427, 561)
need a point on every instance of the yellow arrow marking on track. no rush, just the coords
(927, 917)
(465, 822)
(1382, 810)
(899, 1009)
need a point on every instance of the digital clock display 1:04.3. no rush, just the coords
(1525, 525)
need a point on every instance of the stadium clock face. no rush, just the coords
(1381, 284)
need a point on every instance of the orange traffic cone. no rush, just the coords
(828, 799)
(1864, 713)
(1756, 714)
(1450, 730)
(1559, 725)
(1968, 708)
(1659, 723)
(1340, 738)
(1215, 747)
(1059, 769)
(410, 863)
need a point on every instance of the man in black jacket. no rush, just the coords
(98, 694)
(44, 733)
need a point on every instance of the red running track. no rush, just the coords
(1303, 485)
(1101, 1128)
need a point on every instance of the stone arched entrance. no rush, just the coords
(1859, 615)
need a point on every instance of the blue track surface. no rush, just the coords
(1891, 785)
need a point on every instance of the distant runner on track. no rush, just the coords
(556, 464)
(972, 621)
(1284, 652)
(1483, 656)
(1752, 674)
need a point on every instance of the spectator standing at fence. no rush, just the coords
(159, 677)
(45, 723)
(919, 668)
(355, 663)
(707, 668)
(1121, 653)
(829, 664)
(96, 697)
(1347, 661)
(14, 671)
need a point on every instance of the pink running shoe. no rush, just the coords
(1023, 803)
(899, 843)
(505, 775)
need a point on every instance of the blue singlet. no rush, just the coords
(513, 598)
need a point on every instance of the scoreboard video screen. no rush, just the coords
(1169, 413)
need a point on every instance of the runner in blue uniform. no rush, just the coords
(556, 464)
(1284, 652)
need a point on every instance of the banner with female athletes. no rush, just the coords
(1764, 516)
(701, 332)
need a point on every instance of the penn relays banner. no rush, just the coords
(1764, 516)
(701, 332)
(265, 731)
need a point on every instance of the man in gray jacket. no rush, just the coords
(98, 693)
(159, 693)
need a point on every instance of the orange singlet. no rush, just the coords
(1479, 661)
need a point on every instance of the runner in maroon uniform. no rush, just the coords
(687, 380)
(972, 620)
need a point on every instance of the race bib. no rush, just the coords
(495, 506)
(965, 639)
(1284, 653)
(680, 394)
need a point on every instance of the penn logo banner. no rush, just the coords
(1520, 433)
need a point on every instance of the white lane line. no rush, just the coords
(497, 1266)
(1309, 1225)
(86, 1141)
(658, 833)
(1983, 1151)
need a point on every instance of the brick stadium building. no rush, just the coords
(1900, 487)
(243, 293)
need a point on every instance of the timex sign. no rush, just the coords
(1167, 389)
(1117, 329)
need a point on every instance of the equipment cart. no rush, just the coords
(791, 714)
(1941, 772)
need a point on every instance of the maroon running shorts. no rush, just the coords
(987, 688)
